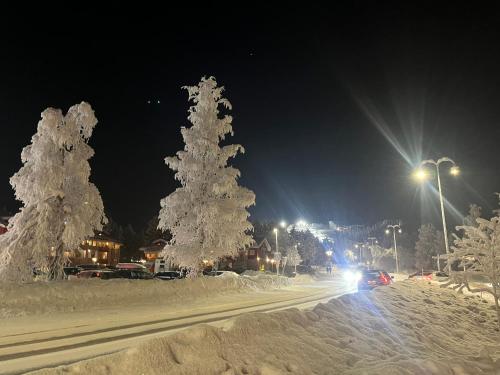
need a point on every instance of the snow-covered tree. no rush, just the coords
(430, 243)
(293, 257)
(473, 215)
(478, 252)
(207, 216)
(383, 258)
(60, 206)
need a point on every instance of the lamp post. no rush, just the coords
(387, 231)
(329, 254)
(373, 241)
(360, 246)
(277, 255)
(422, 175)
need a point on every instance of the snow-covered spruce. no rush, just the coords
(60, 206)
(478, 252)
(207, 215)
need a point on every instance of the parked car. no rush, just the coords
(131, 266)
(137, 274)
(427, 275)
(221, 274)
(90, 274)
(71, 271)
(372, 278)
(168, 275)
(91, 266)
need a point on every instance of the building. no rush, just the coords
(258, 257)
(153, 251)
(100, 249)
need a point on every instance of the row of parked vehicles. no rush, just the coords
(120, 271)
(135, 271)
(369, 279)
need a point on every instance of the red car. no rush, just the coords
(372, 278)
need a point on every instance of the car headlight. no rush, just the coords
(352, 276)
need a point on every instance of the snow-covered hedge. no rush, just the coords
(86, 295)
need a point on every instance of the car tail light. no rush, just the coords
(384, 279)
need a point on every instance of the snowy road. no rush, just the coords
(34, 343)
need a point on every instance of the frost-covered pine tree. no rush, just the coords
(474, 214)
(207, 216)
(60, 206)
(293, 257)
(478, 252)
(426, 246)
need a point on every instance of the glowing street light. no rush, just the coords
(454, 171)
(283, 224)
(421, 174)
(387, 231)
(301, 223)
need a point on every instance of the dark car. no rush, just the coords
(91, 266)
(136, 274)
(91, 274)
(168, 275)
(71, 271)
(372, 278)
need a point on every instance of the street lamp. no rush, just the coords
(283, 224)
(422, 175)
(329, 254)
(387, 231)
(275, 230)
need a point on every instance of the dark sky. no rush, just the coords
(313, 91)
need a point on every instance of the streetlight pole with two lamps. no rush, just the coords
(329, 254)
(387, 231)
(277, 254)
(422, 175)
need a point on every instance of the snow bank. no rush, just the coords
(86, 295)
(406, 328)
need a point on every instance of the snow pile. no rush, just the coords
(89, 294)
(406, 328)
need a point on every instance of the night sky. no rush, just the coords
(334, 106)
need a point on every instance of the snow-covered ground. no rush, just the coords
(410, 327)
(93, 294)
(47, 340)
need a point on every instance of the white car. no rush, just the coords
(222, 274)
